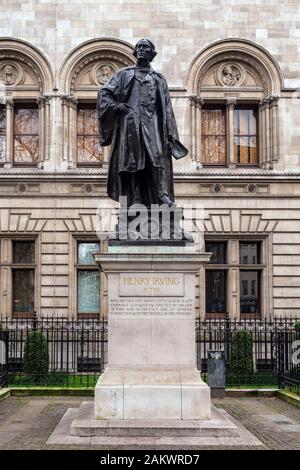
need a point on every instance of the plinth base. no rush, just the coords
(79, 427)
(152, 395)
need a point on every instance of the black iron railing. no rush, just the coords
(77, 351)
(259, 353)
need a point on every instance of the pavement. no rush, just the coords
(28, 422)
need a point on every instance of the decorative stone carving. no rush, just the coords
(251, 188)
(22, 187)
(231, 75)
(87, 188)
(10, 74)
(102, 72)
(217, 188)
(234, 70)
(96, 69)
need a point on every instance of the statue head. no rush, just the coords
(144, 50)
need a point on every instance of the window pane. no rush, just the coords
(85, 251)
(215, 291)
(26, 135)
(213, 121)
(23, 252)
(249, 253)
(213, 129)
(245, 121)
(249, 291)
(26, 149)
(213, 150)
(23, 291)
(88, 147)
(88, 291)
(26, 121)
(245, 136)
(218, 250)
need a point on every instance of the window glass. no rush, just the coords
(88, 147)
(215, 291)
(245, 136)
(218, 250)
(26, 135)
(85, 252)
(213, 139)
(249, 253)
(249, 291)
(23, 252)
(88, 292)
(23, 291)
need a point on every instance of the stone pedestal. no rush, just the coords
(151, 372)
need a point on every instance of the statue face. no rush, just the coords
(144, 51)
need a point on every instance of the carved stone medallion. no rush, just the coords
(230, 75)
(102, 72)
(10, 74)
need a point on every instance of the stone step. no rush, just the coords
(218, 426)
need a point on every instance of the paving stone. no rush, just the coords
(251, 414)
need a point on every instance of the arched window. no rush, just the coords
(85, 69)
(25, 79)
(235, 87)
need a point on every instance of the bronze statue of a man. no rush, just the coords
(136, 118)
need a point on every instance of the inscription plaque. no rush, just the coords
(148, 285)
(132, 307)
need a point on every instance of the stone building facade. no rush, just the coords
(233, 68)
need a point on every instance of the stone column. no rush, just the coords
(261, 133)
(230, 105)
(9, 133)
(233, 287)
(274, 127)
(41, 106)
(267, 132)
(47, 128)
(72, 132)
(266, 135)
(69, 130)
(65, 129)
(196, 106)
(5, 272)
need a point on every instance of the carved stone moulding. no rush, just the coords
(230, 75)
(217, 188)
(16, 70)
(251, 188)
(234, 63)
(96, 69)
(235, 70)
(102, 72)
(88, 188)
(11, 73)
(22, 188)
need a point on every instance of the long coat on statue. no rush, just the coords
(146, 135)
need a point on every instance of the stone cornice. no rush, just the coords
(232, 174)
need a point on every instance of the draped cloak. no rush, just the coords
(126, 132)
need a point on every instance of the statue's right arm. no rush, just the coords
(108, 96)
